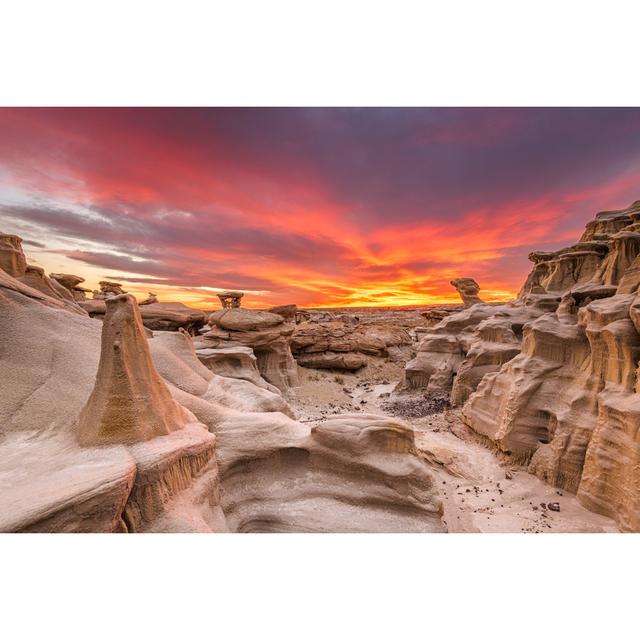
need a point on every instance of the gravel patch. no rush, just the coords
(416, 407)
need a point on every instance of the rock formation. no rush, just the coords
(72, 284)
(267, 334)
(50, 483)
(230, 299)
(109, 289)
(104, 430)
(150, 299)
(234, 362)
(468, 289)
(465, 345)
(12, 258)
(157, 316)
(36, 278)
(342, 345)
(129, 402)
(331, 360)
(553, 378)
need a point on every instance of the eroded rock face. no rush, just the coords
(351, 473)
(552, 379)
(109, 289)
(172, 316)
(130, 402)
(332, 360)
(456, 353)
(468, 289)
(150, 299)
(48, 483)
(148, 464)
(267, 334)
(13, 263)
(344, 344)
(36, 278)
(72, 284)
(234, 362)
(12, 258)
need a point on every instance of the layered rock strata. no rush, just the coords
(12, 258)
(72, 284)
(341, 344)
(267, 334)
(553, 379)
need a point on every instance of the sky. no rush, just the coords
(315, 206)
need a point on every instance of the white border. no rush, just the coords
(334, 52)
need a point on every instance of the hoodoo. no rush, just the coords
(129, 402)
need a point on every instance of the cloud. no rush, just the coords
(316, 206)
(33, 243)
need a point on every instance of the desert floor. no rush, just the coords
(480, 491)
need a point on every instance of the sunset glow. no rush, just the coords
(321, 207)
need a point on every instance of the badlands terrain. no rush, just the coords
(125, 415)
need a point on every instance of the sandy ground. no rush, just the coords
(323, 393)
(480, 492)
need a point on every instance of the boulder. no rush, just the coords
(72, 284)
(244, 319)
(286, 311)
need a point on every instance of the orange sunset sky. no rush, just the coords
(321, 207)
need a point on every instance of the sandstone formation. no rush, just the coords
(150, 299)
(434, 316)
(286, 311)
(172, 316)
(234, 362)
(109, 289)
(157, 316)
(48, 482)
(72, 284)
(339, 344)
(267, 334)
(552, 379)
(99, 434)
(148, 464)
(332, 360)
(468, 289)
(129, 402)
(12, 258)
(14, 263)
(230, 299)
(103, 429)
(36, 278)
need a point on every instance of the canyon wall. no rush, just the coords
(553, 378)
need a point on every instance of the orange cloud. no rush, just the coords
(317, 207)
